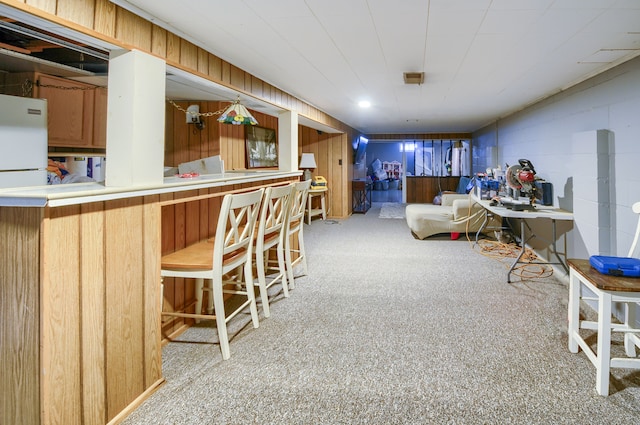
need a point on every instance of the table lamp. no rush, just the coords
(307, 162)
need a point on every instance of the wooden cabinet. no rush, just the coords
(76, 111)
(70, 110)
(100, 118)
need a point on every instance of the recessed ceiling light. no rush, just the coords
(364, 104)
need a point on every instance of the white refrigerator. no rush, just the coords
(23, 141)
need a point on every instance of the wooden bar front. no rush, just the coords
(80, 322)
(422, 189)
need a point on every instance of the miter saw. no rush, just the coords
(521, 178)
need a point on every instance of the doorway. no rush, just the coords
(386, 163)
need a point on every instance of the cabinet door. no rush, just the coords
(70, 110)
(100, 118)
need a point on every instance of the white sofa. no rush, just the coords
(458, 213)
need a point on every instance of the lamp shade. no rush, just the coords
(308, 161)
(237, 114)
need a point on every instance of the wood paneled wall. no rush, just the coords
(87, 275)
(422, 189)
(100, 312)
(19, 321)
(333, 155)
(184, 142)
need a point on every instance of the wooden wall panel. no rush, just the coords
(203, 61)
(188, 54)
(422, 189)
(192, 221)
(173, 48)
(124, 317)
(203, 216)
(338, 198)
(61, 319)
(92, 306)
(133, 30)
(81, 14)
(226, 73)
(215, 68)
(105, 18)
(151, 291)
(236, 77)
(159, 41)
(44, 5)
(19, 315)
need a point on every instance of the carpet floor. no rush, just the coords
(388, 329)
(392, 210)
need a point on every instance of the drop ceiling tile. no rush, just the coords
(509, 21)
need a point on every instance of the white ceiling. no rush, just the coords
(482, 59)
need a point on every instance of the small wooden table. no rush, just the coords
(312, 212)
(361, 195)
(607, 289)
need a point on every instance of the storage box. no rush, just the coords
(616, 266)
(487, 189)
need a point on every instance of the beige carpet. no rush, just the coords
(388, 329)
(392, 210)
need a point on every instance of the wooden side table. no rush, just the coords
(361, 195)
(319, 191)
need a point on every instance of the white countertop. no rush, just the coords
(80, 193)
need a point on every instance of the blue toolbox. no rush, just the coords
(616, 266)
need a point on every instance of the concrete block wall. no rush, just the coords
(544, 133)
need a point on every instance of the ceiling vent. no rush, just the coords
(414, 77)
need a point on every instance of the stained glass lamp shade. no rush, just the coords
(237, 114)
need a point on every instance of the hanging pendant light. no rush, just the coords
(237, 114)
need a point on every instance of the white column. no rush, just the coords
(591, 188)
(135, 119)
(288, 141)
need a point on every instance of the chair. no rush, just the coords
(272, 225)
(608, 290)
(294, 229)
(227, 256)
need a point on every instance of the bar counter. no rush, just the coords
(80, 300)
(80, 193)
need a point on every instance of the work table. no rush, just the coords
(81, 193)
